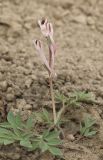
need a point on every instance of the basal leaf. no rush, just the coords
(5, 131)
(43, 146)
(8, 141)
(45, 133)
(52, 135)
(35, 145)
(46, 115)
(7, 134)
(26, 143)
(11, 119)
(55, 151)
(18, 120)
(29, 123)
(5, 125)
(92, 133)
(1, 141)
(54, 142)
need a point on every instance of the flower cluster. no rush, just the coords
(47, 31)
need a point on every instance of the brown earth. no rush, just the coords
(79, 65)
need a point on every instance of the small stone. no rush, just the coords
(70, 137)
(79, 19)
(28, 106)
(28, 82)
(33, 77)
(10, 89)
(21, 104)
(3, 85)
(10, 97)
(90, 21)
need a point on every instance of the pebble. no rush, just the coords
(70, 137)
(28, 106)
(28, 82)
(21, 104)
(79, 19)
(10, 97)
(90, 21)
(3, 85)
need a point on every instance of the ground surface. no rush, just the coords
(79, 65)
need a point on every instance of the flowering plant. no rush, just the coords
(47, 31)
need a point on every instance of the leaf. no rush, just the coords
(52, 135)
(27, 135)
(18, 120)
(11, 119)
(29, 123)
(35, 145)
(54, 142)
(7, 141)
(82, 129)
(46, 115)
(45, 133)
(89, 122)
(26, 143)
(87, 130)
(55, 151)
(92, 133)
(1, 141)
(5, 131)
(43, 146)
(7, 134)
(17, 133)
(5, 125)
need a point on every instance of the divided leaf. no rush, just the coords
(86, 128)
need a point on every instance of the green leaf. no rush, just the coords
(54, 142)
(45, 133)
(5, 125)
(11, 119)
(7, 134)
(52, 135)
(1, 141)
(92, 133)
(55, 151)
(4, 131)
(35, 145)
(43, 146)
(29, 123)
(87, 130)
(27, 135)
(8, 141)
(46, 115)
(18, 120)
(17, 133)
(82, 129)
(26, 143)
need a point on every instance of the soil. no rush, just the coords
(79, 66)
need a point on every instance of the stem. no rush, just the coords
(52, 97)
(61, 111)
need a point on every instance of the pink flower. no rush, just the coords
(46, 28)
(39, 48)
(47, 31)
